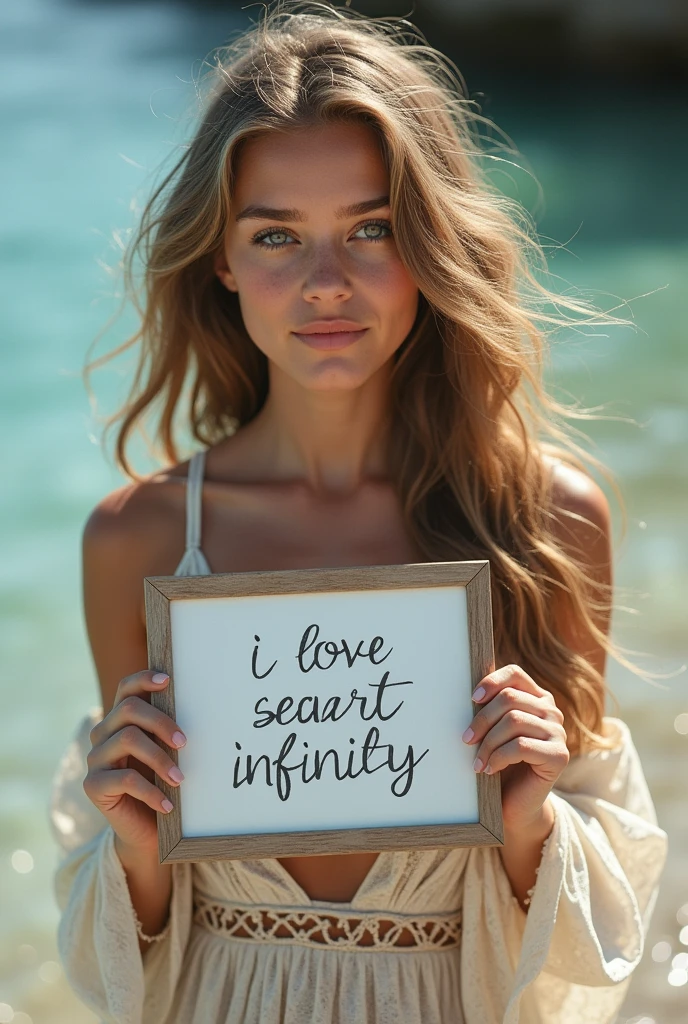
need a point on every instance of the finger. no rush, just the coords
(135, 711)
(536, 752)
(510, 699)
(133, 741)
(140, 683)
(512, 725)
(509, 675)
(106, 788)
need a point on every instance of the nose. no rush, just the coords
(326, 278)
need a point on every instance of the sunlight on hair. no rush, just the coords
(476, 440)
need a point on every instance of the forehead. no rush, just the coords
(309, 167)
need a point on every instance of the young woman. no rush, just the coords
(343, 310)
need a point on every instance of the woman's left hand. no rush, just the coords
(519, 732)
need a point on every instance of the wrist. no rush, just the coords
(141, 859)
(535, 829)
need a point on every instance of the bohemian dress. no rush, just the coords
(244, 944)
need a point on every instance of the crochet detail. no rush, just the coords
(531, 892)
(153, 938)
(342, 930)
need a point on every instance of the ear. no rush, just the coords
(222, 270)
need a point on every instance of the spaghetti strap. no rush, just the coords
(193, 561)
(194, 500)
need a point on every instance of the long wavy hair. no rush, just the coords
(471, 416)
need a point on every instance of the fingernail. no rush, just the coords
(468, 735)
(159, 678)
(477, 765)
(488, 770)
(175, 774)
(167, 805)
(178, 739)
(479, 693)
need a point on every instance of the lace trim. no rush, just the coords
(528, 899)
(343, 930)
(153, 938)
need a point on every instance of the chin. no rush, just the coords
(336, 377)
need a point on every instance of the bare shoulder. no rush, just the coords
(581, 525)
(133, 532)
(581, 514)
(143, 518)
(576, 497)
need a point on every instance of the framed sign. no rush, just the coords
(323, 709)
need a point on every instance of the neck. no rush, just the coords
(331, 440)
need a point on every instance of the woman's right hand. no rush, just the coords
(121, 792)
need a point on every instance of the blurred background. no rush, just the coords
(92, 97)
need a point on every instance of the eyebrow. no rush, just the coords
(292, 215)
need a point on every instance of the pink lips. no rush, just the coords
(327, 335)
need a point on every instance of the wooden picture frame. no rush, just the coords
(161, 593)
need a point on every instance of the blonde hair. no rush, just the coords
(471, 418)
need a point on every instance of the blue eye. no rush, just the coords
(374, 231)
(279, 233)
(381, 229)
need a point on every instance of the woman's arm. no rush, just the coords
(582, 525)
(118, 550)
(519, 730)
(104, 793)
(569, 959)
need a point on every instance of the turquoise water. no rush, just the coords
(90, 102)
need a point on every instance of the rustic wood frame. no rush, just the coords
(160, 591)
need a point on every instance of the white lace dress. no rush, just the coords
(245, 945)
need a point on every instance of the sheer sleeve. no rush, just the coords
(570, 958)
(97, 933)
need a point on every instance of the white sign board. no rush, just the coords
(332, 713)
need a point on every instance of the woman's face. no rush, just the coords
(309, 251)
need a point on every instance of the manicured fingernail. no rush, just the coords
(479, 693)
(468, 735)
(175, 774)
(159, 678)
(167, 806)
(178, 739)
(477, 765)
(488, 770)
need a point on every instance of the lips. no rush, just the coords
(329, 327)
(327, 335)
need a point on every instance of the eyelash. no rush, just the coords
(266, 232)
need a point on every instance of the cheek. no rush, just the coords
(265, 283)
(264, 294)
(394, 293)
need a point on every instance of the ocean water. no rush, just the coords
(92, 98)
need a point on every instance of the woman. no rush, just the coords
(344, 309)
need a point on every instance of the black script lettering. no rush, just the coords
(332, 710)
(351, 658)
(380, 687)
(306, 644)
(237, 762)
(375, 647)
(286, 704)
(254, 662)
(251, 769)
(332, 707)
(330, 648)
(308, 641)
(408, 772)
(312, 714)
(343, 765)
(282, 776)
(370, 745)
(269, 716)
